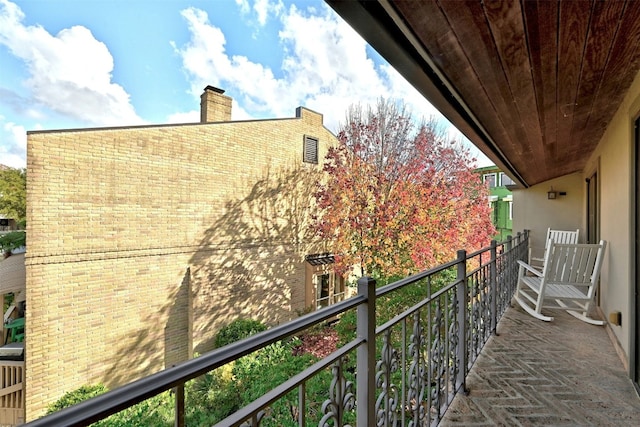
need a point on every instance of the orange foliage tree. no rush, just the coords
(399, 198)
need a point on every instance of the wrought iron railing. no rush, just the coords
(405, 370)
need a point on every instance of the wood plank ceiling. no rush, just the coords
(543, 78)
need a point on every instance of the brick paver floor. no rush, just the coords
(534, 373)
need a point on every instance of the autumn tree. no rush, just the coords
(13, 194)
(399, 196)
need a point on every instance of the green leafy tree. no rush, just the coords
(13, 194)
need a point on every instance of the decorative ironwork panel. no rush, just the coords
(387, 401)
(476, 315)
(437, 360)
(453, 340)
(417, 375)
(341, 399)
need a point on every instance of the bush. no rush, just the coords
(238, 330)
(265, 369)
(76, 396)
(157, 410)
(13, 240)
(218, 394)
(212, 397)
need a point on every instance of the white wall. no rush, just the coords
(532, 210)
(614, 163)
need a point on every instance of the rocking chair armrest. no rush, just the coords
(530, 268)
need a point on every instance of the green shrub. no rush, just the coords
(157, 410)
(13, 240)
(216, 395)
(262, 371)
(212, 397)
(237, 330)
(76, 396)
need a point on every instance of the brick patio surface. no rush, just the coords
(534, 373)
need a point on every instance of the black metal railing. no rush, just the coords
(399, 368)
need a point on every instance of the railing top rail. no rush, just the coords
(383, 290)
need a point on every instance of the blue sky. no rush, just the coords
(91, 63)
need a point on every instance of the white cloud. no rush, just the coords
(244, 6)
(237, 113)
(186, 117)
(70, 73)
(13, 149)
(261, 8)
(325, 66)
(401, 89)
(207, 62)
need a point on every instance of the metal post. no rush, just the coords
(463, 301)
(493, 284)
(179, 391)
(366, 359)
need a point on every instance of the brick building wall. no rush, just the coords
(144, 241)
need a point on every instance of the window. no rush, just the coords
(505, 180)
(322, 290)
(329, 289)
(489, 179)
(310, 150)
(323, 286)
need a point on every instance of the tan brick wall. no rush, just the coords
(140, 236)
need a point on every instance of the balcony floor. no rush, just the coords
(562, 373)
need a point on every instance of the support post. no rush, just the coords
(179, 393)
(366, 359)
(463, 301)
(524, 237)
(493, 283)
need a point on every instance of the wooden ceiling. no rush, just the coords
(533, 84)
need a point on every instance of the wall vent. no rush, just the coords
(310, 150)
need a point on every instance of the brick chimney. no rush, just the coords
(214, 106)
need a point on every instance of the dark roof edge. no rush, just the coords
(161, 125)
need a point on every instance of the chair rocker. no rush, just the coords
(558, 236)
(567, 281)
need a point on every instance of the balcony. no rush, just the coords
(535, 373)
(414, 367)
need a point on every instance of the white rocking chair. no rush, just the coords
(558, 236)
(567, 282)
